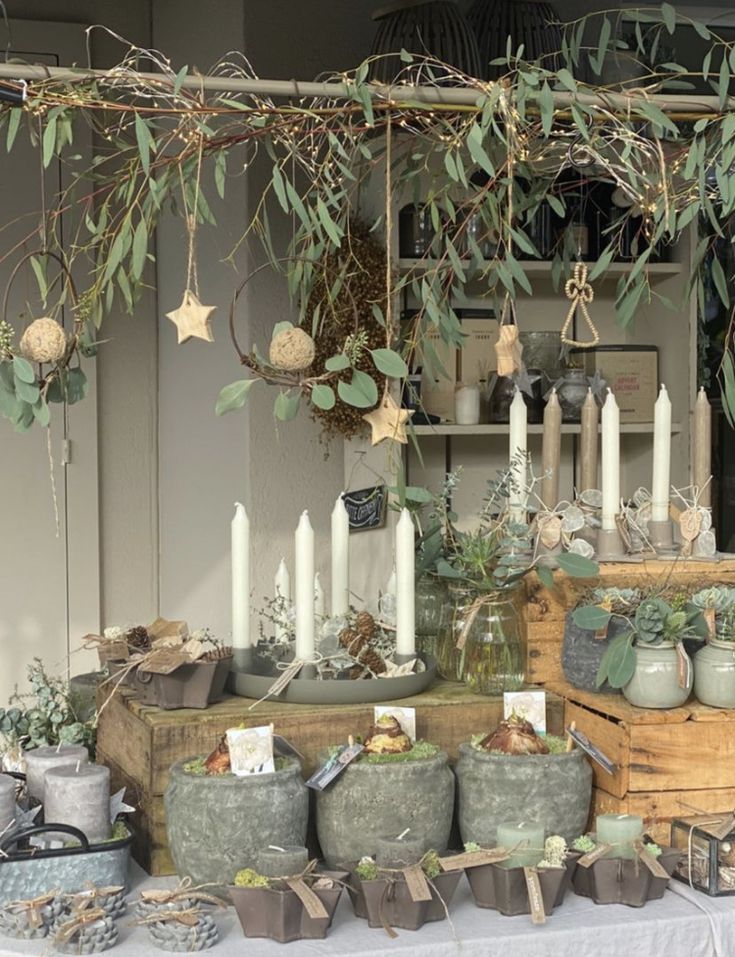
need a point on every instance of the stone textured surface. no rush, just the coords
(22, 880)
(582, 653)
(553, 789)
(181, 938)
(370, 801)
(217, 824)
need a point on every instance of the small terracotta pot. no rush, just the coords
(616, 880)
(504, 888)
(191, 686)
(383, 902)
(279, 914)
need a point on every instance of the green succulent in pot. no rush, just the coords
(717, 605)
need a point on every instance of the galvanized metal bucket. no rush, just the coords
(27, 871)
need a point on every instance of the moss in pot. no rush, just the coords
(514, 774)
(392, 786)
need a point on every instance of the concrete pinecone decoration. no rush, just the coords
(109, 899)
(147, 908)
(178, 936)
(357, 642)
(15, 919)
(292, 350)
(43, 341)
(90, 938)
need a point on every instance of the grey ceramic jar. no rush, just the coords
(493, 788)
(655, 683)
(216, 824)
(714, 674)
(582, 652)
(372, 801)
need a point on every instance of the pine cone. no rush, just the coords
(365, 625)
(216, 654)
(372, 660)
(352, 642)
(138, 639)
(356, 671)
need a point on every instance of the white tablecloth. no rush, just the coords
(683, 924)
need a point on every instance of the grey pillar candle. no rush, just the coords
(393, 852)
(40, 760)
(282, 862)
(79, 797)
(7, 803)
(588, 443)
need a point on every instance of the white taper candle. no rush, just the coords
(660, 491)
(405, 585)
(517, 456)
(610, 463)
(304, 590)
(340, 559)
(240, 543)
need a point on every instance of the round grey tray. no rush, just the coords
(333, 691)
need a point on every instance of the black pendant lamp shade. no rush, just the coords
(435, 29)
(533, 24)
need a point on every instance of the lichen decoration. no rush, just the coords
(292, 350)
(43, 341)
(347, 324)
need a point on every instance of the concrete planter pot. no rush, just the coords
(553, 789)
(383, 902)
(280, 915)
(714, 674)
(190, 686)
(371, 801)
(582, 653)
(504, 888)
(655, 683)
(617, 880)
(217, 824)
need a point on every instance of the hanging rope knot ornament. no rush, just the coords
(581, 294)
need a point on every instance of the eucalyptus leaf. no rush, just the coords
(577, 566)
(337, 363)
(361, 392)
(389, 363)
(280, 327)
(23, 370)
(591, 617)
(233, 396)
(286, 406)
(545, 576)
(323, 396)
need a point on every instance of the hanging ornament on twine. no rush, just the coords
(508, 348)
(581, 294)
(192, 317)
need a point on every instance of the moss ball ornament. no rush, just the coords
(43, 341)
(292, 350)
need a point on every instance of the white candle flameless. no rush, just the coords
(319, 603)
(660, 483)
(282, 588)
(610, 463)
(405, 586)
(240, 541)
(304, 589)
(517, 449)
(340, 559)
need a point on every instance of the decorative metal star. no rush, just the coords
(598, 385)
(524, 382)
(192, 319)
(388, 421)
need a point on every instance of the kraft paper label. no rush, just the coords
(418, 886)
(314, 907)
(458, 862)
(652, 863)
(588, 859)
(165, 661)
(535, 898)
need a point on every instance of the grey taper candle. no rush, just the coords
(40, 760)
(7, 803)
(79, 797)
(282, 862)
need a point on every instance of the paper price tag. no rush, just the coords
(285, 748)
(314, 907)
(652, 863)
(588, 859)
(418, 886)
(458, 862)
(334, 767)
(535, 898)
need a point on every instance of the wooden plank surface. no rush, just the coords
(544, 644)
(611, 738)
(617, 708)
(694, 755)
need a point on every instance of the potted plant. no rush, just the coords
(714, 665)
(393, 785)
(621, 880)
(480, 639)
(515, 774)
(583, 648)
(216, 820)
(648, 660)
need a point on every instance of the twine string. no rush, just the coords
(581, 294)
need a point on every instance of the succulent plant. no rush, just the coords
(650, 620)
(618, 599)
(367, 869)
(583, 843)
(721, 598)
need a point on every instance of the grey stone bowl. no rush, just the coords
(552, 789)
(371, 801)
(217, 824)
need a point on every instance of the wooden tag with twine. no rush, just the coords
(535, 898)
(163, 628)
(588, 859)
(709, 617)
(652, 863)
(458, 862)
(418, 886)
(314, 907)
(164, 661)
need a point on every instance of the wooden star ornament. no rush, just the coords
(192, 319)
(388, 421)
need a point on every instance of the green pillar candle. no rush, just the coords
(619, 830)
(529, 835)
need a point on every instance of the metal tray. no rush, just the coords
(250, 684)
(27, 872)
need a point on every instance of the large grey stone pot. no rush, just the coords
(370, 801)
(217, 824)
(582, 653)
(553, 789)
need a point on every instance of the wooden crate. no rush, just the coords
(139, 744)
(670, 763)
(546, 610)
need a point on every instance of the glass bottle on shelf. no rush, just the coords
(494, 653)
(455, 610)
(431, 594)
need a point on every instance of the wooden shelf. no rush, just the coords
(535, 267)
(569, 428)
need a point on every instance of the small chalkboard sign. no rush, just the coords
(366, 507)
